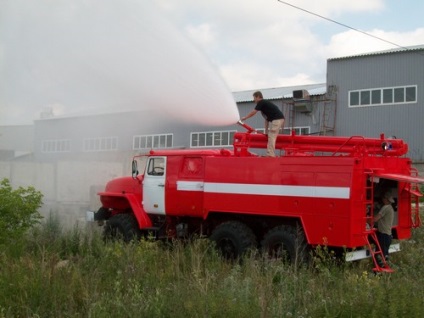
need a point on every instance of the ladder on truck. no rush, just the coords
(379, 260)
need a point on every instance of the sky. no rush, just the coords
(94, 56)
(267, 43)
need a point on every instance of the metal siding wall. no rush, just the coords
(403, 121)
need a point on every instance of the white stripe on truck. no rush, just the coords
(265, 189)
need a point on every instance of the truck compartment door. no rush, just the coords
(411, 187)
(190, 187)
(400, 177)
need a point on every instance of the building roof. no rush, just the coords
(415, 48)
(280, 92)
(239, 97)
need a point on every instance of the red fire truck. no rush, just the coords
(320, 190)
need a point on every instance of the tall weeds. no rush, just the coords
(74, 273)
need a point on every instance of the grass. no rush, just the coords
(57, 273)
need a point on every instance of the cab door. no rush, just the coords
(154, 185)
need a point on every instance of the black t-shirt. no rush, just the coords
(269, 110)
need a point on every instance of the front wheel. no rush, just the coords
(122, 226)
(233, 239)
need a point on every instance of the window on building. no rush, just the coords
(297, 130)
(365, 98)
(411, 94)
(376, 96)
(387, 96)
(152, 141)
(288, 130)
(383, 96)
(399, 94)
(56, 145)
(212, 139)
(101, 144)
(354, 98)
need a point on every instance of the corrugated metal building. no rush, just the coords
(381, 92)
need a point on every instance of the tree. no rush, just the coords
(18, 210)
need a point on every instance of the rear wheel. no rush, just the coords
(233, 239)
(122, 226)
(285, 243)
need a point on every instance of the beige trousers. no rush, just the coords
(273, 130)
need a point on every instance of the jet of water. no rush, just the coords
(102, 55)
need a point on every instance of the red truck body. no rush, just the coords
(325, 187)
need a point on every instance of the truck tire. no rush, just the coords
(233, 239)
(122, 226)
(286, 244)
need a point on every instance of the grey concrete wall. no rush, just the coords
(69, 187)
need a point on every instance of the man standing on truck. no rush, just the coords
(274, 120)
(384, 220)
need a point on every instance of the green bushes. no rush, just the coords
(18, 211)
(73, 273)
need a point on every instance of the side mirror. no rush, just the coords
(134, 169)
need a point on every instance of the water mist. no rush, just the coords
(100, 56)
